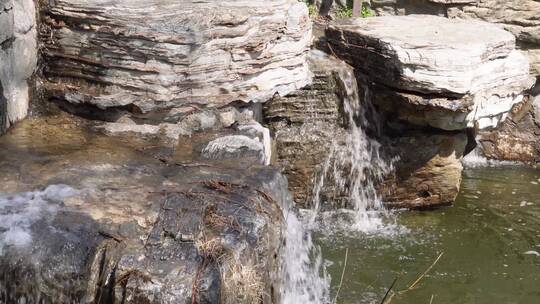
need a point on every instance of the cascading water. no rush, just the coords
(352, 169)
(354, 166)
(305, 279)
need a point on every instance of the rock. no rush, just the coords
(106, 219)
(234, 146)
(306, 123)
(517, 138)
(437, 63)
(112, 56)
(3, 111)
(166, 132)
(18, 58)
(428, 171)
(517, 16)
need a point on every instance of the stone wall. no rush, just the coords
(18, 58)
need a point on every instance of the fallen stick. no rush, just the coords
(425, 272)
(342, 274)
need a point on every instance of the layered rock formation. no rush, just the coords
(183, 53)
(520, 17)
(306, 123)
(438, 65)
(518, 138)
(431, 78)
(18, 58)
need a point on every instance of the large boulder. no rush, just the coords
(184, 53)
(520, 17)
(427, 172)
(88, 218)
(438, 65)
(18, 58)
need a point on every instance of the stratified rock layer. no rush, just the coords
(437, 64)
(518, 138)
(307, 122)
(150, 57)
(18, 58)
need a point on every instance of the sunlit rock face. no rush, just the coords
(150, 57)
(434, 71)
(18, 58)
(520, 17)
(517, 138)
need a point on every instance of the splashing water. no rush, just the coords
(305, 280)
(355, 166)
(19, 211)
(476, 159)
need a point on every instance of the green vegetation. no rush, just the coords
(347, 12)
(313, 10)
(344, 12)
(367, 12)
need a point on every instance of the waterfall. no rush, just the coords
(354, 166)
(304, 278)
(352, 169)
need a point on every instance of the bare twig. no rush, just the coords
(425, 272)
(431, 300)
(342, 274)
(389, 290)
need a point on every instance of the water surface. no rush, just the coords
(490, 240)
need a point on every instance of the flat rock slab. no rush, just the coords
(154, 56)
(474, 64)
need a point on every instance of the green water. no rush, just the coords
(489, 240)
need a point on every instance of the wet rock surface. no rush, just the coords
(437, 64)
(307, 122)
(125, 219)
(117, 57)
(428, 171)
(18, 58)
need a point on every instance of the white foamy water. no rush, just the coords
(19, 211)
(305, 280)
(475, 159)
